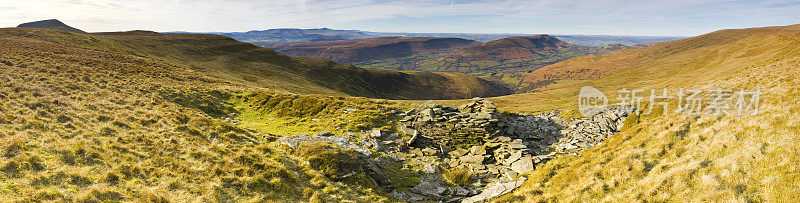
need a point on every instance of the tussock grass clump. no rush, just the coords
(331, 160)
(458, 176)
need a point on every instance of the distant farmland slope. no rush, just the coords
(506, 59)
(244, 63)
(512, 54)
(360, 50)
(502, 60)
(386, 53)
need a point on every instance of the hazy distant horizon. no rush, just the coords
(180, 31)
(609, 17)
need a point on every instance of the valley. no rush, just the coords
(504, 61)
(321, 115)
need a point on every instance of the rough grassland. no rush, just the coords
(674, 157)
(82, 120)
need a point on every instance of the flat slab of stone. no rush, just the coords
(523, 165)
(517, 146)
(428, 189)
(494, 190)
(478, 150)
(458, 152)
(478, 159)
(513, 158)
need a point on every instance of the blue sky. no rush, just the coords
(619, 17)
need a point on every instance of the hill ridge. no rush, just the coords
(53, 24)
(226, 59)
(360, 50)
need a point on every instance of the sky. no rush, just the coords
(614, 17)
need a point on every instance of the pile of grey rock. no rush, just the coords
(497, 148)
(508, 144)
(587, 132)
(451, 126)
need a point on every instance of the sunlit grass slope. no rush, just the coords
(85, 119)
(676, 157)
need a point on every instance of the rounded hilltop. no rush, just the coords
(52, 24)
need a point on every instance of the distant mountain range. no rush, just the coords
(325, 34)
(295, 35)
(502, 60)
(356, 51)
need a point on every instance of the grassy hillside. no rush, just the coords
(84, 120)
(247, 64)
(242, 63)
(582, 68)
(675, 157)
(142, 116)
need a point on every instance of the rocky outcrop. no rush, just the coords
(467, 125)
(587, 132)
(495, 190)
(498, 147)
(495, 148)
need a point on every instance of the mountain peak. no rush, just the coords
(51, 24)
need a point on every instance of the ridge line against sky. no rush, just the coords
(603, 17)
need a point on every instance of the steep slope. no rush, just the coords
(84, 120)
(245, 63)
(580, 68)
(356, 51)
(52, 24)
(671, 156)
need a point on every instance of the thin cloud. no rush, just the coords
(631, 17)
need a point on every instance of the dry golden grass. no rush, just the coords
(82, 122)
(675, 157)
(84, 119)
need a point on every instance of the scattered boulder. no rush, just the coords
(477, 159)
(495, 190)
(478, 150)
(323, 134)
(429, 189)
(523, 165)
